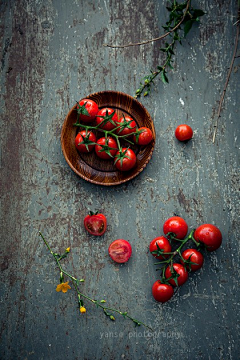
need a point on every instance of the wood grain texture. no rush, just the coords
(89, 166)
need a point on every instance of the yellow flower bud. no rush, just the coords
(82, 309)
(67, 250)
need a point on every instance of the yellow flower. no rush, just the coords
(67, 250)
(63, 287)
(82, 309)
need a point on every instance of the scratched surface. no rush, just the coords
(52, 54)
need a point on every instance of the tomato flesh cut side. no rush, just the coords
(120, 250)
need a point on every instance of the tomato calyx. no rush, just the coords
(126, 124)
(121, 155)
(86, 140)
(106, 118)
(137, 134)
(81, 109)
(106, 148)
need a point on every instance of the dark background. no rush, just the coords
(52, 54)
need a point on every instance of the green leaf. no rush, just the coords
(163, 77)
(198, 12)
(187, 27)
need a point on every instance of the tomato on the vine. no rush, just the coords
(194, 256)
(127, 125)
(177, 226)
(161, 243)
(125, 159)
(162, 292)
(106, 148)
(209, 235)
(184, 132)
(85, 141)
(95, 223)
(178, 273)
(144, 136)
(106, 119)
(120, 250)
(87, 110)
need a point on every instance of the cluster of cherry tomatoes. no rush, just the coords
(191, 259)
(107, 147)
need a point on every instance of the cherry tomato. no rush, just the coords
(209, 235)
(120, 250)
(125, 159)
(176, 225)
(194, 256)
(179, 269)
(85, 142)
(95, 223)
(107, 118)
(129, 127)
(87, 110)
(162, 292)
(144, 136)
(106, 149)
(163, 244)
(183, 132)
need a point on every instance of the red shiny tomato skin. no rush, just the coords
(95, 224)
(180, 269)
(195, 256)
(184, 132)
(126, 131)
(163, 244)
(145, 137)
(209, 235)
(128, 162)
(103, 154)
(109, 125)
(92, 109)
(162, 292)
(176, 225)
(79, 138)
(120, 251)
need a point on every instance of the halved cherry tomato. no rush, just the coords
(183, 132)
(125, 159)
(128, 125)
(195, 257)
(87, 110)
(95, 223)
(162, 243)
(177, 269)
(209, 235)
(107, 117)
(120, 250)
(144, 136)
(177, 226)
(85, 141)
(106, 148)
(162, 292)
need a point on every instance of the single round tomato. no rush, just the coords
(125, 159)
(177, 226)
(162, 292)
(162, 243)
(106, 119)
(106, 148)
(87, 110)
(144, 136)
(120, 250)
(209, 235)
(95, 223)
(128, 126)
(194, 256)
(180, 270)
(183, 132)
(85, 141)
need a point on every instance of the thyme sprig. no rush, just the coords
(179, 14)
(64, 287)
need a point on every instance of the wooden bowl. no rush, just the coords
(89, 166)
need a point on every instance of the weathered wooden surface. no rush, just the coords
(52, 54)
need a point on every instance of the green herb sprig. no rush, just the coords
(64, 287)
